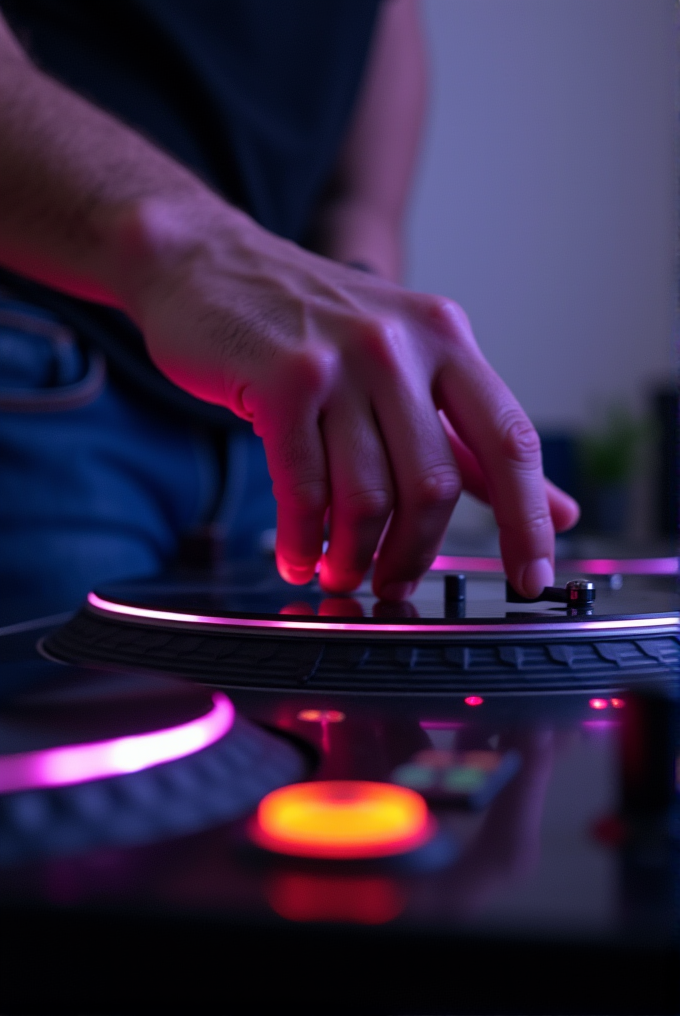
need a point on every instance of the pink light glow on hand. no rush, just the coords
(80, 763)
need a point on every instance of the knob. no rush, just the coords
(454, 595)
(577, 594)
(580, 593)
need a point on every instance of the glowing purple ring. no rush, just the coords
(587, 565)
(80, 763)
(318, 626)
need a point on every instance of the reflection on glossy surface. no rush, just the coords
(340, 897)
(340, 606)
(323, 717)
(510, 868)
(507, 845)
(470, 779)
(387, 610)
(244, 598)
(526, 862)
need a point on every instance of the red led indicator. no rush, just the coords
(618, 703)
(321, 716)
(474, 700)
(598, 703)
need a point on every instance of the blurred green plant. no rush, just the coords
(609, 455)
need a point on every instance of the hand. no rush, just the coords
(374, 404)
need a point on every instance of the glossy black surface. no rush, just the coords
(260, 592)
(548, 877)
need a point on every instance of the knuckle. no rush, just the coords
(519, 440)
(314, 366)
(309, 497)
(380, 339)
(448, 316)
(372, 505)
(534, 525)
(439, 488)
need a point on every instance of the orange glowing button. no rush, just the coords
(342, 819)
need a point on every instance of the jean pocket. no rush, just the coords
(43, 367)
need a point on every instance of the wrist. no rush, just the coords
(151, 239)
(360, 236)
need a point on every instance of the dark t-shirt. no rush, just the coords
(253, 95)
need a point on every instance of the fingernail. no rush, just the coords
(298, 575)
(338, 582)
(537, 575)
(396, 590)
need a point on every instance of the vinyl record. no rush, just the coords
(250, 629)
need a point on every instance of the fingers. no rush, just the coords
(362, 493)
(359, 430)
(298, 470)
(426, 479)
(287, 420)
(564, 510)
(493, 426)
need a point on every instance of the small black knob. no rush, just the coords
(454, 595)
(577, 594)
(580, 593)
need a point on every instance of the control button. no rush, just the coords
(454, 595)
(342, 819)
(469, 779)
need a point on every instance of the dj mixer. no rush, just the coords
(223, 794)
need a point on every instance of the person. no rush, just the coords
(228, 180)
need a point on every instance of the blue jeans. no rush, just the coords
(94, 484)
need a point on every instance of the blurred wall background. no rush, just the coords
(545, 202)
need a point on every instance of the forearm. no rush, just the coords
(71, 177)
(342, 374)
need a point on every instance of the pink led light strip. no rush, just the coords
(587, 565)
(80, 763)
(149, 614)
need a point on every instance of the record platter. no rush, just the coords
(223, 794)
(251, 629)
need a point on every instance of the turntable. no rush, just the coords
(459, 632)
(219, 793)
